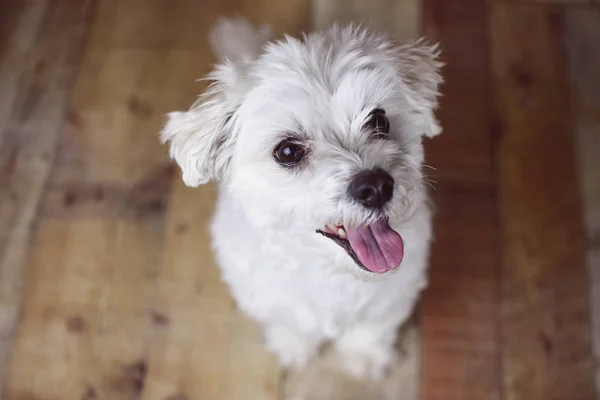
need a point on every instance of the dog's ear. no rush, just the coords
(420, 69)
(201, 139)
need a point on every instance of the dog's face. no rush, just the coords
(321, 135)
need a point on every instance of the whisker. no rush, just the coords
(429, 182)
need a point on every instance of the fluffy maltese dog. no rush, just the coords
(322, 224)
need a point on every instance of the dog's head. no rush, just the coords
(320, 135)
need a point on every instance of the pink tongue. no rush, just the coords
(378, 247)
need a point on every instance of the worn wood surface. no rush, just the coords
(38, 66)
(582, 28)
(399, 18)
(544, 3)
(108, 289)
(459, 324)
(545, 332)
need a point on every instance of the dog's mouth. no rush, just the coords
(375, 247)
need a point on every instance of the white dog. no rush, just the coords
(322, 225)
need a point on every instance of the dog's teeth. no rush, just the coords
(332, 227)
(341, 232)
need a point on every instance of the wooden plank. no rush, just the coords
(38, 63)
(548, 2)
(10, 21)
(545, 334)
(21, 23)
(132, 24)
(459, 314)
(398, 18)
(582, 36)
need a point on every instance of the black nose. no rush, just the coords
(372, 188)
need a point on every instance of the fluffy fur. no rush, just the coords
(302, 287)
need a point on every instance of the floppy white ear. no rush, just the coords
(420, 68)
(201, 139)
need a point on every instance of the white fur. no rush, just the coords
(302, 287)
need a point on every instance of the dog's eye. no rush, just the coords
(289, 153)
(378, 123)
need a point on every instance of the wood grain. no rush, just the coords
(149, 23)
(546, 344)
(86, 319)
(582, 34)
(40, 56)
(459, 314)
(400, 19)
(21, 23)
(543, 3)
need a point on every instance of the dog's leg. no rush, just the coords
(292, 349)
(367, 350)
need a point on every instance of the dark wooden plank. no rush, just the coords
(548, 2)
(39, 60)
(9, 19)
(545, 315)
(582, 38)
(459, 313)
(20, 24)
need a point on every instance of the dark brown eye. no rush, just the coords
(378, 123)
(289, 153)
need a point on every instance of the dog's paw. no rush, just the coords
(235, 38)
(367, 351)
(367, 361)
(291, 349)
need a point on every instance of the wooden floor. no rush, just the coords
(108, 289)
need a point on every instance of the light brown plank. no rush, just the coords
(400, 19)
(459, 315)
(582, 38)
(134, 23)
(39, 59)
(546, 343)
